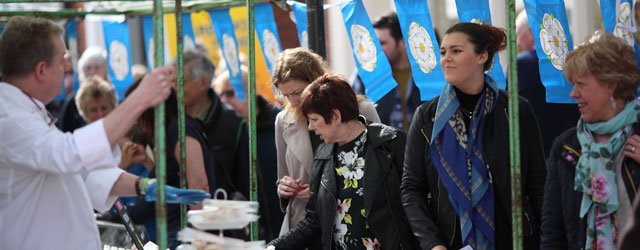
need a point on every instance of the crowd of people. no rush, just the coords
(335, 171)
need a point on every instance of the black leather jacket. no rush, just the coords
(383, 158)
(425, 199)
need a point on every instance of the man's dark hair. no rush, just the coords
(390, 21)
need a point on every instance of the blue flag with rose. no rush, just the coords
(373, 66)
(300, 13)
(147, 34)
(116, 36)
(424, 51)
(477, 11)
(189, 38)
(226, 35)
(550, 28)
(267, 33)
(618, 19)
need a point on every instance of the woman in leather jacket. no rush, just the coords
(456, 185)
(593, 168)
(293, 71)
(354, 201)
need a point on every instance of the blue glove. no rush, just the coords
(176, 195)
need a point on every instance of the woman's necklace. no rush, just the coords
(466, 112)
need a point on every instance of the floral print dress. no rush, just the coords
(351, 230)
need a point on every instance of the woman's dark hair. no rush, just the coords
(483, 37)
(146, 121)
(329, 92)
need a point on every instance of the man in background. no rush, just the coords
(553, 118)
(396, 108)
(271, 216)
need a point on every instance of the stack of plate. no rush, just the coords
(224, 214)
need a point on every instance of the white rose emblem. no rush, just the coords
(230, 54)
(421, 47)
(553, 41)
(623, 27)
(363, 47)
(118, 60)
(271, 48)
(475, 20)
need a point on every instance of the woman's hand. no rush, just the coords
(132, 153)
(632, 148)
(288, 187)
(303, 194)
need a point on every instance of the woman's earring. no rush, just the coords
(613, 102)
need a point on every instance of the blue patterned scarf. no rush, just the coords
(596, 174)
(458, 155)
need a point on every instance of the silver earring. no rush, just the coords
(613, 102)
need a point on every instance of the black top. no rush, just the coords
(173, 169)
(351, 228)
(467, 105)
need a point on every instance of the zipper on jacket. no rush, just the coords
(526, 215)
(334, 214)
(425, 136)
(395, 228)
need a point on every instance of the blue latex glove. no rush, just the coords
(176, 195)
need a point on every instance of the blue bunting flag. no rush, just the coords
(373, 66)
(225, 33)
(422, 45)
(189, 39)
(267, 32)
(147, 34)
(300, 13)
(116, 36)
(618, 18)
(550, 28)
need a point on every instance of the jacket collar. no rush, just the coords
(377, 134)
(214, 109)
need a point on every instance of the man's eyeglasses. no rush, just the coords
(228, 93)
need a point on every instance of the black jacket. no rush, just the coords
(227, 138)
(425, 199)
(562, 227)
(383, 158)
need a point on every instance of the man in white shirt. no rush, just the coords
(51, 181)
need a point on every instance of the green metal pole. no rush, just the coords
(514, 128)
(181, 110)
(253, 185)
(161, 211)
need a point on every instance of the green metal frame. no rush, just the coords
(160, 142)
(132, 10)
